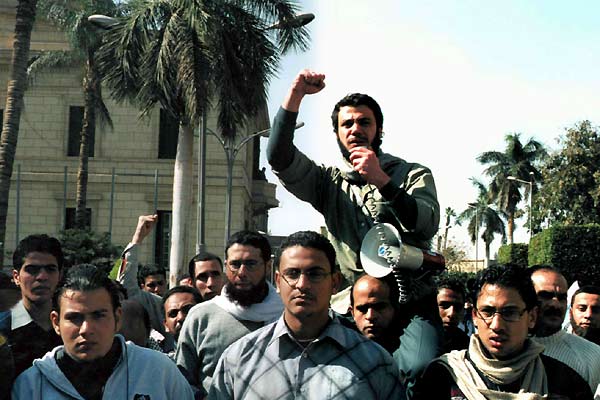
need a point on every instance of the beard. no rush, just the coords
(590, 333)
(247, 297)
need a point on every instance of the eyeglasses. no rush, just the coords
(509, 314)
(547, 295)
(251, 265)
(292, 275)
(34, 269)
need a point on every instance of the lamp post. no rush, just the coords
(231, 150)
(476, 207)
(530, 183)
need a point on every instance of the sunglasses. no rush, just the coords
(546, 295)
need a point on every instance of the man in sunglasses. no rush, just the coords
(581, 355)
(37, 268)
(307, 353)
(247, 302)
(501, 361)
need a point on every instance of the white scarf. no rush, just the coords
(526, 365)
(266, 311)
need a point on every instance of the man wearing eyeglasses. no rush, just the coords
(501, 361)
(581, 355)
(247, 302)
(37, 268)
(307, 353)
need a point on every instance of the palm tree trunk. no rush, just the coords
(511, 227)
(14, 102)
(87, 131)
(182, 202)
(487, 253)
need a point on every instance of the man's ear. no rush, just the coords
(16, 277)
(118, 318)
(336, 279)
(55, 319)
(277, 279)
(533, 315)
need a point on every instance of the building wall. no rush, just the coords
(131, 149)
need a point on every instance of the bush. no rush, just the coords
(86, 246)
(515, 253)
(572, 249)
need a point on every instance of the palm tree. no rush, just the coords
(17, 82)
(450, 213)
(181, 54)
(71, 17)
(518, 160)
(482, 213)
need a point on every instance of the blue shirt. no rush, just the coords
(340, 364)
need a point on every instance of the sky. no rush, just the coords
(453, 77)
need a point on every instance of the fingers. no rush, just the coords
(309, 81)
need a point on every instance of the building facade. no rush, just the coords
(130, 166)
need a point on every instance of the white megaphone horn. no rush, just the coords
(382, 252)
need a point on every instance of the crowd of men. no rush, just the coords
(323, 329)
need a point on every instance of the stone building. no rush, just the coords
(138, 155)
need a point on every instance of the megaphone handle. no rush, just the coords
(401, 282)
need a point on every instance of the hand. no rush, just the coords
(144, 227)
(365, 162)
(306, 82)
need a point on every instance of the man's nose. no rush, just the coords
(85, 327)
(496, 322)
(371, 314)
(42, 275)
(302, 281)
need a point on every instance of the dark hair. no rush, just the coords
(445, 281)
(510, 277)
(85, 278)
(41, 243)
(202, 256)
(311, 240)
(355, 100)
(250, 238)
(182, 289)
(389, 280)
(148, 270)
(590, 289)
(134, 310)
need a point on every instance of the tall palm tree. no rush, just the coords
(481, 213)
(181, 54)
(450, 213)
(518, 160)
(17, 81)
(71, 17)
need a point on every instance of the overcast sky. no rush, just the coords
(452, 77)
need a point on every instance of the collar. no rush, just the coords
(334, 330)
(19, 316)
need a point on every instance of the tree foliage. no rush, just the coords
(85, 246)
(571, 191)
(517, 160)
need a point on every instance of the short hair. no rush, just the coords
(590, 289)
(508, 276)
(355, 100)
(85, 278)
(41, 243)
(446, 281)
(250, 238)
(134, 310)
(148, 270)
(389, 280)
(202, 256)
(311, 240)
(182, 289)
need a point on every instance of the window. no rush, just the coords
(163, 239)
(75, 126)
(70, 218)
(168, 131)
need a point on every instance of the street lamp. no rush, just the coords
(530, 183)
(102, 21)
(231, 150)
(476, 207)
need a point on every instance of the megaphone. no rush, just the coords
(382, 252)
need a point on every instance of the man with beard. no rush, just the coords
(247, 302)
(585, 313)
(37, 267)
(376, 187)
(581, 355)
